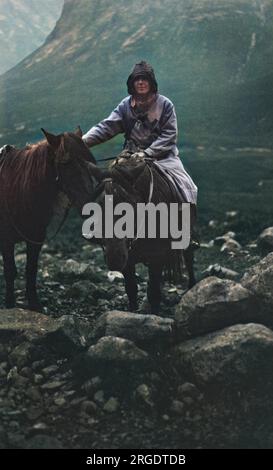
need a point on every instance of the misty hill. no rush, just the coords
(24, 25)
(211, 57)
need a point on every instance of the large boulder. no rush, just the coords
(265, 240)
(113, 358)
(213, 304)
(259, 279)
(241, 355)
(135, 327)
(65, 335)
(116, 350)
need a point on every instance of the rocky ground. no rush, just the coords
(88, 374)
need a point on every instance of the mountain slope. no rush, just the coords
(212, 58)
(24, 25)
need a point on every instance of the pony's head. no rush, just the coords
(74, 166)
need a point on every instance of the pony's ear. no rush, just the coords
(53, 140)
(79, 132)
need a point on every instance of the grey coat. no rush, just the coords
(155, 132)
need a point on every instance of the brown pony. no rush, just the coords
(30, 180)
(134, 181)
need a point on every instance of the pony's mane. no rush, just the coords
(24, 171)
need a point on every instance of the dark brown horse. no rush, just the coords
(30, 180)
(131, 182)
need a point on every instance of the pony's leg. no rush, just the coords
(154, 286)
(131, 288)
(33, 252)
(188, 255)
(10, 272)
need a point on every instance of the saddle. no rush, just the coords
(127, 170)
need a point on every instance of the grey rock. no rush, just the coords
(53, 385)
(188, 389)
(177, 407)
(21, 355)
(224, 238)
(38, 379)
(213, 304)
(30, 324)
(114, 350)
(99, 396)
(92, 385)
(26, 372)
(61, 401)
(112, 405)
(16, 379)
(82, 289)
(89, 407)
(265, 240)
(221, 272)
(34, 394)
(144, 392)
(231, 246)
(50, 370)
(135, 327)
(259, 279)
(70, 269)
(240, 354)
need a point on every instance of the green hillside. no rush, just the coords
(24, 25)
(212, 58)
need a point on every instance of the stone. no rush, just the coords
(241, 355)
(99, 396)
(224, 238)
(21, 354)
(213, 304)
(112, 405)
(177, 407)
(82, 290)
(231, 246)
(144, 392)
(89, 407)
(60, 401)
(70, 269)
(114, 350)
(53, 385)
(265, 240)
(188, 389)
(220, 271)
(92, 385)
(135, 327)
(259, 279)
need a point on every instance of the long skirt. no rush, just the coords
(174, 170)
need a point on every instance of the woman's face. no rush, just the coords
(142, 86)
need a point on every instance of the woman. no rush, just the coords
(149, 123)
